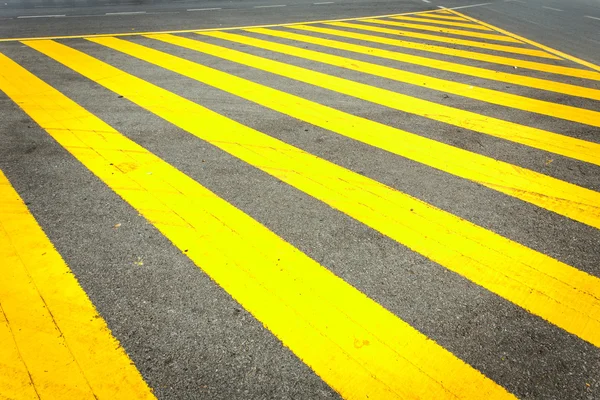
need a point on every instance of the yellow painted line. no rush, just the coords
(531, 42)
(195, 30)
(546, 287)
(53, 331)
(557, 110)
(360, 349)
(445, 39)
(440, 22)
(459, 32)
(537, 138)
(440, 16)
(575, 202)
(537, 83)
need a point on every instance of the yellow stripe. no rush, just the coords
(575, 202)
(533, 137)
(445, 39)
(65, 346)
(437, 15)
(459, 32)
(474, 71)
(531, 42)
(448, 23)
(354, 344)
(546, 287)
(569, 113)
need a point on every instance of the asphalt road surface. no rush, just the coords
(273, 199)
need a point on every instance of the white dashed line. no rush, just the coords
(204, 9)
(550, 8)
(426, 1)
(323, 2)
(274, 5)
(42, 16)
(469, 6)
(126, 13)
(588, 16)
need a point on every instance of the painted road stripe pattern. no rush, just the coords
(313, 312)
(54, 343)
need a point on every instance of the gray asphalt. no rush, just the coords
(188, 337)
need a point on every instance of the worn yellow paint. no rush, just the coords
(546, 287)
(516, 79)
(445, 39)
(537, 138)
(354, 344)
(440, 22)
(557, 110)
(558, 196)
(54, 343)
(459, 32)
(533, 43)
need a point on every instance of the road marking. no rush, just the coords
(54, 343)
(426, 1)
(324, 2)
(551, 8)
(537, 138)
(448, 23)
(204, 9)
(313, 312)
(459, 32)
(540, 284)
(468, 6)
(596, 18)
(437, 15)
(125, 13)
(443, 39)
(271, 6)
(41, 16)
(522, 80)
(531, 42)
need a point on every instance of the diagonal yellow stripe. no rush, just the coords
(537, 138)
(546, 287)
(531, 42)
(544, 84)
(465, 24)
(354, 344)
(557, 110)
(440, 16)
(445, 39)
(459, 32)
(66, 348)
(561, 197)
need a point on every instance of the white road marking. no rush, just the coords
(42, 16)
(551, 8)
(588, 16)
(204, 9)
(125, 13)
(324, 2)
(274, 5)
(426, 1)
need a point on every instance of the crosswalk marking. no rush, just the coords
(537, 83)
(445, 39)
(570, 113)
(465, 24)
(313, 312)
(54, 343)
(458, 32)
(546, 287)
